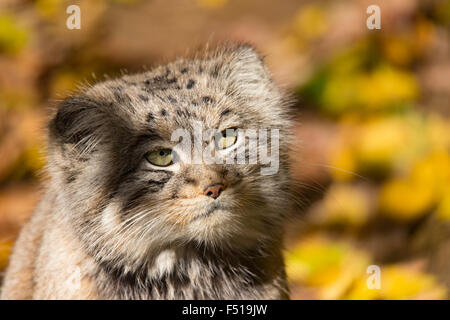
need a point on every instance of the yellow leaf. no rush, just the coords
(443, 211)
(330, 266)
(13, 36)
(398, 282)
(405, 199)
(344, 204)
(311, 22)
(398, 49)
(433, 171)
(343, 164)
(50, 8)
(380, 143)
(403, 283)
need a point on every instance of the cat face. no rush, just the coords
(131, 181)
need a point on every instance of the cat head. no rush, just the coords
(131, 184)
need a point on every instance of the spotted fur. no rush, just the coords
(134, 231)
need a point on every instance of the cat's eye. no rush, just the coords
(160, 158)
(226, 138)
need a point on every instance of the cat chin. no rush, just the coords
(222, 228)
(211, 219)
(213, 212)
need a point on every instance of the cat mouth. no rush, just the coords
(211, 210)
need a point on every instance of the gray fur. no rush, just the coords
(131, 224)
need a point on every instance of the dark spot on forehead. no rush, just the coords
(207, 99)
(161, 82)
(159, 97)
(184, 113)
(225, 112)
(215, 71)
(147, 90)
(172, 99)
(194, 103)
(163, 112)
(143, 98)
(150, 117)
(167, 72)
(190, 84)
(184, 70)
(121, 97)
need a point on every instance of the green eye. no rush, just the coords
(226, 138)
(160, 158)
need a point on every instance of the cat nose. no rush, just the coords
(214, 190)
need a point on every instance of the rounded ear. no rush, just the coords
(247, 55)
(76, 122)
(246, 72)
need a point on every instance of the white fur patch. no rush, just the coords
(164, 263)
(110, 216)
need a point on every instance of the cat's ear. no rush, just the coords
(245, 69)
(77, 121)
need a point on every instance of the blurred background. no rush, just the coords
(372, 153)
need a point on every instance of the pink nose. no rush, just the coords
(214, 190)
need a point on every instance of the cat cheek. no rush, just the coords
(186, 191)
(111, 216)
(177, 217)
